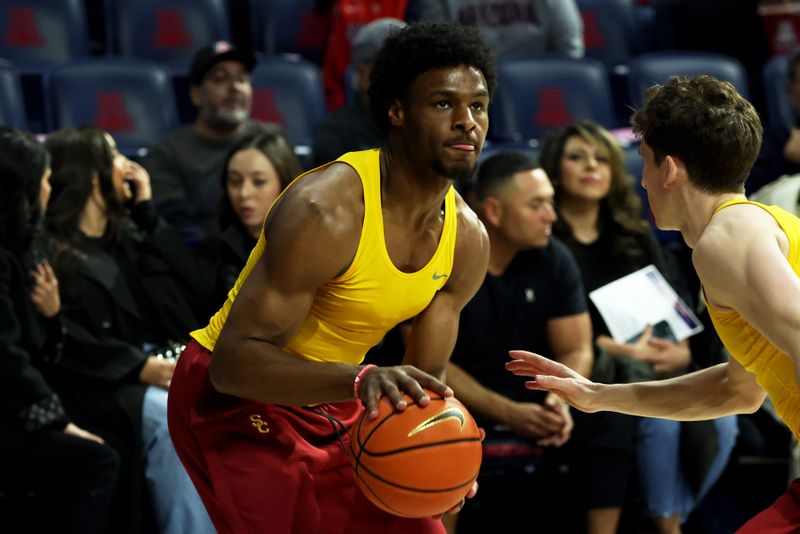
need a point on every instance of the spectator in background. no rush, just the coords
(350, 127)
(70, 470)
(347, 16)
(780, 151)
(532, 296)
(600, 222)
(513, 27)
(256, 170)
(128, 286)
(185, 165)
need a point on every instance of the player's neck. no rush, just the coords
(698, 212)
(417, 193)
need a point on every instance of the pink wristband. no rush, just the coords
(360, 377)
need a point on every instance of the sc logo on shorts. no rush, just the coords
(260, 425)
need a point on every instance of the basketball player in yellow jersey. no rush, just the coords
(699, 139)
(262, 398)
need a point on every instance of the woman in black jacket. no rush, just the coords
(130, 291)
(70, 470)
(257, 169)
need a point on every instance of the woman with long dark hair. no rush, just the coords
(256, 170)
(70, 470)
(131, 293)
(599, 219)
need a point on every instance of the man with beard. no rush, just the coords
(263, 397)
(186, 165)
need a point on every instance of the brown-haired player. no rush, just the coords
(699, 138)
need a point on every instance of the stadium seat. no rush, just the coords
(131, 99)
(280, 27)
(779, 109)
(39, 33)
(167, 31)
(656, 67)
(12, 106)
(288, 90)
(537, 93)
(610, 31)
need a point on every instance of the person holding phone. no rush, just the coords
(128, 285)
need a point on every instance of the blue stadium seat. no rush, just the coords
(288, 90)
(656, 67)
(779, 109)
(280, 27)
(537, 93)
(37, 33)
(168, 31)
(610, 31)
(131, 99)
(12, 105)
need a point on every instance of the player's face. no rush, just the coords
(253, 185)
(445, 118)
(652, 182)
(224, 96)
(528, 213)
(585, 170)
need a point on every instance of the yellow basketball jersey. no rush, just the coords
(773, 369)
(352, 313)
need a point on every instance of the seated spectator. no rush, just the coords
(256, 170)
(185, 164)
(515, 27)
(71, 471)
(350, 127)
(532, 296)
(128, 287)
(600, 222)
(780, 151)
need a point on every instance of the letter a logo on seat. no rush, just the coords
(112, 113)
(552, 108)
(22, 28)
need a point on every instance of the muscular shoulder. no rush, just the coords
(735, 239)
(322, 209)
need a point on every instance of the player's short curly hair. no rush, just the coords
(707, 124)
(419, 48)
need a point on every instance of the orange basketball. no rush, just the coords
(418, 462)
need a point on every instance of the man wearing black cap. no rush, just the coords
(186, 165)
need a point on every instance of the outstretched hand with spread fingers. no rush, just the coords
(549, 375)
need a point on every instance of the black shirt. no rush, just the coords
(511, 312)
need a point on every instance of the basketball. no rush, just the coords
(419, 462)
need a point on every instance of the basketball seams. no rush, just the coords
(415, 447)
(415, 489)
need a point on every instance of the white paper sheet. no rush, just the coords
(641, 298)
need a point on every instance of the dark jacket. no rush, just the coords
(228, 253)
(26, 340)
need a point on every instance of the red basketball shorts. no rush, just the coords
(783, 517)
(266, 468)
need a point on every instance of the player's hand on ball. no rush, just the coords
(549, 375)
(395, 382)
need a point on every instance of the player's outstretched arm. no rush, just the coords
(724, 389)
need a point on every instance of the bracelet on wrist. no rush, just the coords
(360, 378)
